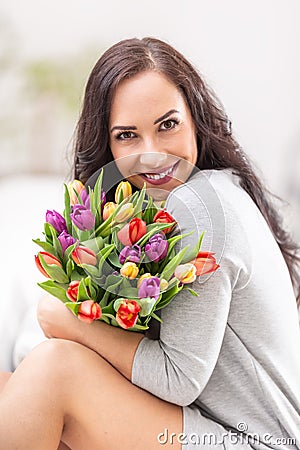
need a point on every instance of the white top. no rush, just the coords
(234, 351)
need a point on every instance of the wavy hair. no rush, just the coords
(217, 148)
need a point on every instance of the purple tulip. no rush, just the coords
(103, 199)
(85, 198)
(65, 240)
(130, 253)
(149, 288)
(82, 217)
(156, 248)
(56, 220)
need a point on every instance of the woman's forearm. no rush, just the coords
(115, 345)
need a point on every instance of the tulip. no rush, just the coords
(72, 291)
(108, 209)
(156, 248)
(150, 287)
(56, 220)
(130, 253)
(78, 187)
(186, 273)
(162, 216)
(143, 277)
(124, 213)
(103, 199)
(127, 314)
(129, 270)
(137, 229)
(65, 240)
(49, 259)
(89, 311)
(82, 218)
(123, 235)
(84, 255)
(85, 198)
(123, 190)
(205, 262)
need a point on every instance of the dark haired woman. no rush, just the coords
(223, 370)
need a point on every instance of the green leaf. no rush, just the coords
(54, 289)
(74, 307)
(113, 258)
(95, 244)
(129, 292)
(150, 211)
(103, 254)
(67, 210)
(153, 228)
(70, 267)
(138, 210)
(191, 291)
(147, 305)
(45, 246)
(68, 252)
(194, 251)
(55, 241)
(171, 266)
(82, 291)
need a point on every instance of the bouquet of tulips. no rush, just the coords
(116, 261)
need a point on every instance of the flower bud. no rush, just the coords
(205, 263)
(82, 217)
(66, 240)
(89, 311)
(124, 213)
(129, 270)
(130, 253)
(123, 190)
(186, 273)
(108, 209)
(163, 216)
(127, 313)
(78, 187)
(72, 291)
(56, 220)
(49, 259)
(84, 255)
(163, 285)
(149, 288)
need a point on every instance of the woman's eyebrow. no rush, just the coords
(133, 127)
(126, 128)
(172, 111)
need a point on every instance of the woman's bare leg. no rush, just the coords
(65, 390)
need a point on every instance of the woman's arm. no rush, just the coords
(115, 345)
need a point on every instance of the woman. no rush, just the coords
(223, 371)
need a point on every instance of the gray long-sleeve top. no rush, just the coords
(234, 350)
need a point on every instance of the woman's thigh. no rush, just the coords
(106, 411)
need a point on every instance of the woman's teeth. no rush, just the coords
(158, 176)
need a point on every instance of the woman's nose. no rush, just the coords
(152, 155)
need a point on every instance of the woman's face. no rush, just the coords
(152, 135)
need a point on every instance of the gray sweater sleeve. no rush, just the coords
(178, 365)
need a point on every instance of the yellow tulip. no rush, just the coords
(186, 273)
(108, 209)
(129, 270)
(142, 277)
(125, 212)
(123, 190)
(78, 187)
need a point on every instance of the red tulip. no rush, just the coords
(84, 255)
(163, 216)
(205, 262)
(72, 291)
(132, 231)
(137, 229)
(49, 259)
(89, 311)
(127, 314)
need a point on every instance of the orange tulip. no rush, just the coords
(84, 255)
(49, 259)
(89, 311)
(72, 291)
(163, 216)
(205, 263)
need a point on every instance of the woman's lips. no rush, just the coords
(163, 180)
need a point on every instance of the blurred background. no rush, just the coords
(247, 51)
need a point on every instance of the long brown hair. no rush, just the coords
(217, 148)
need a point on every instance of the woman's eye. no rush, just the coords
(125, 135)
(168, 124)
